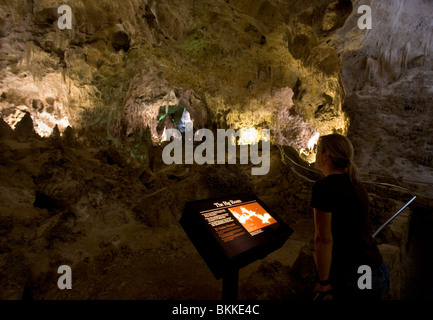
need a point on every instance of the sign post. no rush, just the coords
(232, 232)
(230, 285)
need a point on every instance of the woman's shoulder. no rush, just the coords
(333, 181)
(322, 183)
(332, 178)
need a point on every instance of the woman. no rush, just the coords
(343, 241)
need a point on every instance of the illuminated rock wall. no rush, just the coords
(388, 78)
(265, 65)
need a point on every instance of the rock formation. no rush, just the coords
(84, 110)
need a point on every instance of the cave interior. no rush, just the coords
(92, 92)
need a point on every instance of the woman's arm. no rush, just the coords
(323, 246)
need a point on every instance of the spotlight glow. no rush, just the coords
(309, 153)
(313, 141)
(249, 136)
(45, 123)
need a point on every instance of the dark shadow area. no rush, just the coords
(418, 266)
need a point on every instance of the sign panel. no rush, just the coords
(234, 231)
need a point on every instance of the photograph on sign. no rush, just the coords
(253, 217)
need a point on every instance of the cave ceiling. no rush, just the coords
(287, 66)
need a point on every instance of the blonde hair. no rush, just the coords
(340, 150)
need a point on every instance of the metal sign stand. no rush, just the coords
(230, 284)
(223, 240)
(392, 218)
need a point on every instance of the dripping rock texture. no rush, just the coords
(83, 112)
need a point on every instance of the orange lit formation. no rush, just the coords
(252, 216)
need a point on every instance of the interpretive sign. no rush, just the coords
(232, 232)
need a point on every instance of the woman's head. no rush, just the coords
(339, 150)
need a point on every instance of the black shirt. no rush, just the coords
(353, 245)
